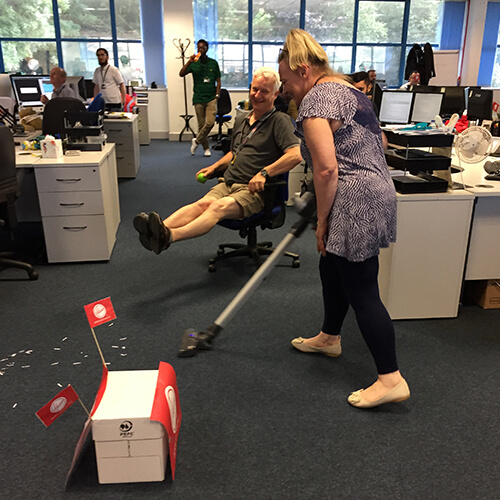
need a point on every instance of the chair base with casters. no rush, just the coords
(8, 194)
(253, 249)
(273, 216)
(7, 260)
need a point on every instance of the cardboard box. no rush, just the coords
(486, 293)
(129, 446)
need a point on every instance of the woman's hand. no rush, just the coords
(321, 232)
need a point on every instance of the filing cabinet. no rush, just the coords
(79, 205)
(124, 133)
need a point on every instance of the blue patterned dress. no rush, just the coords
(363, 216)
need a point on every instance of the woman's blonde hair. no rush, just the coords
(301, 48)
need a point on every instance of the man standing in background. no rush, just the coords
(206, 88)
(107, 80)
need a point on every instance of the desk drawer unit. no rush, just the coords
(125, 135)
(80, 210)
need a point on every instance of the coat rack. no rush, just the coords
(182, 46)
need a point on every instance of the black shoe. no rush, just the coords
(159, 233)
(141, 225)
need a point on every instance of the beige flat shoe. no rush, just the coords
(399, 393)
(333, 351)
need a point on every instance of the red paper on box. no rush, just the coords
(57, 406)
(167, 408)
(100, 312)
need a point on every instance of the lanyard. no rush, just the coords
(106, 72)
(251, 132)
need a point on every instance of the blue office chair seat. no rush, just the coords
(272, 217)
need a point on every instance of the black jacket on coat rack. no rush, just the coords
(421, 60)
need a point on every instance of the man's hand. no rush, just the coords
(44, 99)
(256, 184)
(208, 172)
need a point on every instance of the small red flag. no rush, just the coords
(57, 406)
(100, 312)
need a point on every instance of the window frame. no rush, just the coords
(58, 39)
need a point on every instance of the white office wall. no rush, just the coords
(178, 24)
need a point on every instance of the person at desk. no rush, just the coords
(413, 80)
(372, 74)
(61, 88)
(108, 80)
(206, 89)
(356, 209)
(361, 81)
(263, 145)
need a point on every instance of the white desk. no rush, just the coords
(483, 258)
(421, 274)
(79, 206)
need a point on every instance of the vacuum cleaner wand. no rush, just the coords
(192, 340)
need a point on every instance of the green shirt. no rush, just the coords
(205, 75)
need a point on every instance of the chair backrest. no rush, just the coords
(224, 103)
(53, 113)
(8, 180)
(97, 103)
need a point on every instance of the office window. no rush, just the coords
(233, 64)
(265, 55)
(85, 19)
(30, 36)
(380, 22)
(356, 34)
(26, 18)
(424, 23)
(330, 21)
(128, 19)
(495, 80)
(271, 22)
(340, 57)
(30, 58)
(131, 61)
(80, 59)
(385, 60)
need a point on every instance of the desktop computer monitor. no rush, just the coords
(77, 83)
(395, 106)
(479, 103)
(426, 89)
(426, 107)
(47, 87)
(28, 89)
(453, 101)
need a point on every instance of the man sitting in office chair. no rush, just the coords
(61, 88)
(263, 146)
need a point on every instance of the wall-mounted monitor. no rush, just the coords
(426, 107)
(395, 106)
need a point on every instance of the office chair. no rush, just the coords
(271, 217)
(8, 195)
(53, 114)
(223, 107)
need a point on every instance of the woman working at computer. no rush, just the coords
(356, 209)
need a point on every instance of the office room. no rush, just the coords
(262, 412)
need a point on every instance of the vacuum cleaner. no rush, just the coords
(192, 340)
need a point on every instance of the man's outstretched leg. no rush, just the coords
(156, 236)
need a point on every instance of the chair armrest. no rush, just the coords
(270, 189)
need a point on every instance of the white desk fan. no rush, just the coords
(472, 146)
